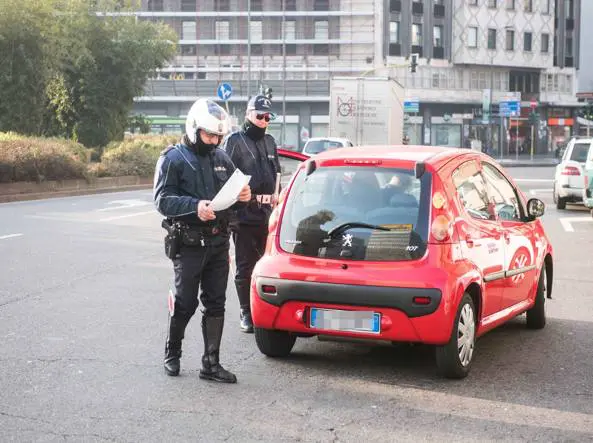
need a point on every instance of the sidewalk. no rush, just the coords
(525, 160)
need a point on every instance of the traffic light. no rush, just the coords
(533, 117)
(413, 62)
(587, 111)
(268, 93)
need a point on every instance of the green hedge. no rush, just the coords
(39, 159)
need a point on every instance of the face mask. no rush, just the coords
(204, 148)
(252, 131)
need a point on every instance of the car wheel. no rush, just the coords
(274, 343)
(455, 358)
(560, 202)
(536, 316)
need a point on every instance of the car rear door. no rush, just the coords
(480, 234)
(522, 250)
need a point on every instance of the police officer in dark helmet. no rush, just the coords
(187, 177)
(254, 153)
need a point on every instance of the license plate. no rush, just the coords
(340, 320)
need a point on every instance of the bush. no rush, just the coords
(134, 156)
(39, 159)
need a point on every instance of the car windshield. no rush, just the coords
(317, 146)
(357, 213)
(580, 152)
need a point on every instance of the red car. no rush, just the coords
(403, 244)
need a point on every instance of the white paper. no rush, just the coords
(229, 193)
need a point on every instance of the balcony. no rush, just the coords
(569, 24)
(438, 52)
(417, 8)
(569, 62)
(417, 50)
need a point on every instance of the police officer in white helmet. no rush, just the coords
(187, 177)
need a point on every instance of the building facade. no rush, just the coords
(473, 54)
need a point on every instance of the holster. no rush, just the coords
(172, 239)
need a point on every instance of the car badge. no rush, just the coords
(347, 241)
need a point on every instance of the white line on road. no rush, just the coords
(136, 214)
(533, 180)
(123, 204)
(568, 221)
(2, 237)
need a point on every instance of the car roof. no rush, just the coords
(332, 139)
(433, 155)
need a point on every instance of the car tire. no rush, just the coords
(560, 202)
(449, 359)
(536, 316)
(274, 343)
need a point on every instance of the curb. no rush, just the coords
(15, 192)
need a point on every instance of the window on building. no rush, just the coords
(321, 5)
(290, 5)
(510, 4)
(257, 5)
(569, 47)
(569, 8)
(492, 4)
(545, 6)
(527, 40)
(222, 30)
(188, 31)
(528, 5)
(437, 36)
(510, 40)
(256, 30)
(290, 30)
(155, 5)
(187, 49)
(473, 2)
(393, 32)
(472, 37)
(188, 5)
(417, 34)
(321, 30)
(491, 38)
(545, 43)
(222, 5)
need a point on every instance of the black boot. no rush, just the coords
(211, 368)
(173, 345)
(243, 290)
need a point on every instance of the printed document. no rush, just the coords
(229, 193)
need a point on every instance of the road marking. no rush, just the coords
(136, 214)
(540, 191)
(3, 237)
(534, 180)
(568, 221)
(123, 204)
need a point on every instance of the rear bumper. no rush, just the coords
(401, 319)
(571, 194)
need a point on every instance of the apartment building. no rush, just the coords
(471, 52)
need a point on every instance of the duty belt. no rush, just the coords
(263, 199)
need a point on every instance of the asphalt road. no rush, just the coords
(83, 287)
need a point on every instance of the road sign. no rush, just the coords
(511, 108)
(224, 91)
(412, 105)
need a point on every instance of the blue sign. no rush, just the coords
(224, 91)
(510, 108)
(412, 106)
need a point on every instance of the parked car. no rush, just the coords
(434, 246)
(569, 177)
(317, 145)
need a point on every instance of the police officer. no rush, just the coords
(254, 153)
(187, 177)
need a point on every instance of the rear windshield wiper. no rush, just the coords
(341, 227)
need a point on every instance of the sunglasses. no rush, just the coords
(265, 117)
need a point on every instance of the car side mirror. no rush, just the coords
(535, 208)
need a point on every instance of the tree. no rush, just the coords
(79, 69)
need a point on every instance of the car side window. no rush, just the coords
(471, 189)
(502, 194)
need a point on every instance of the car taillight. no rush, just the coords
(441, 227)
(571, 170)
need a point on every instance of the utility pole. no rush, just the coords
(248, 49)
(283, 73)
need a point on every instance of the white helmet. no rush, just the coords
(207, 115)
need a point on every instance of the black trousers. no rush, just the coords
(250, 244)
(206, 268)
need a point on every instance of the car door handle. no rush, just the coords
(469, 241)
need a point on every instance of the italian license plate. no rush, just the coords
(341, 320)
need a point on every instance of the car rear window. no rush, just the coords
(357, 213)
(317, 146)
(580, 152)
